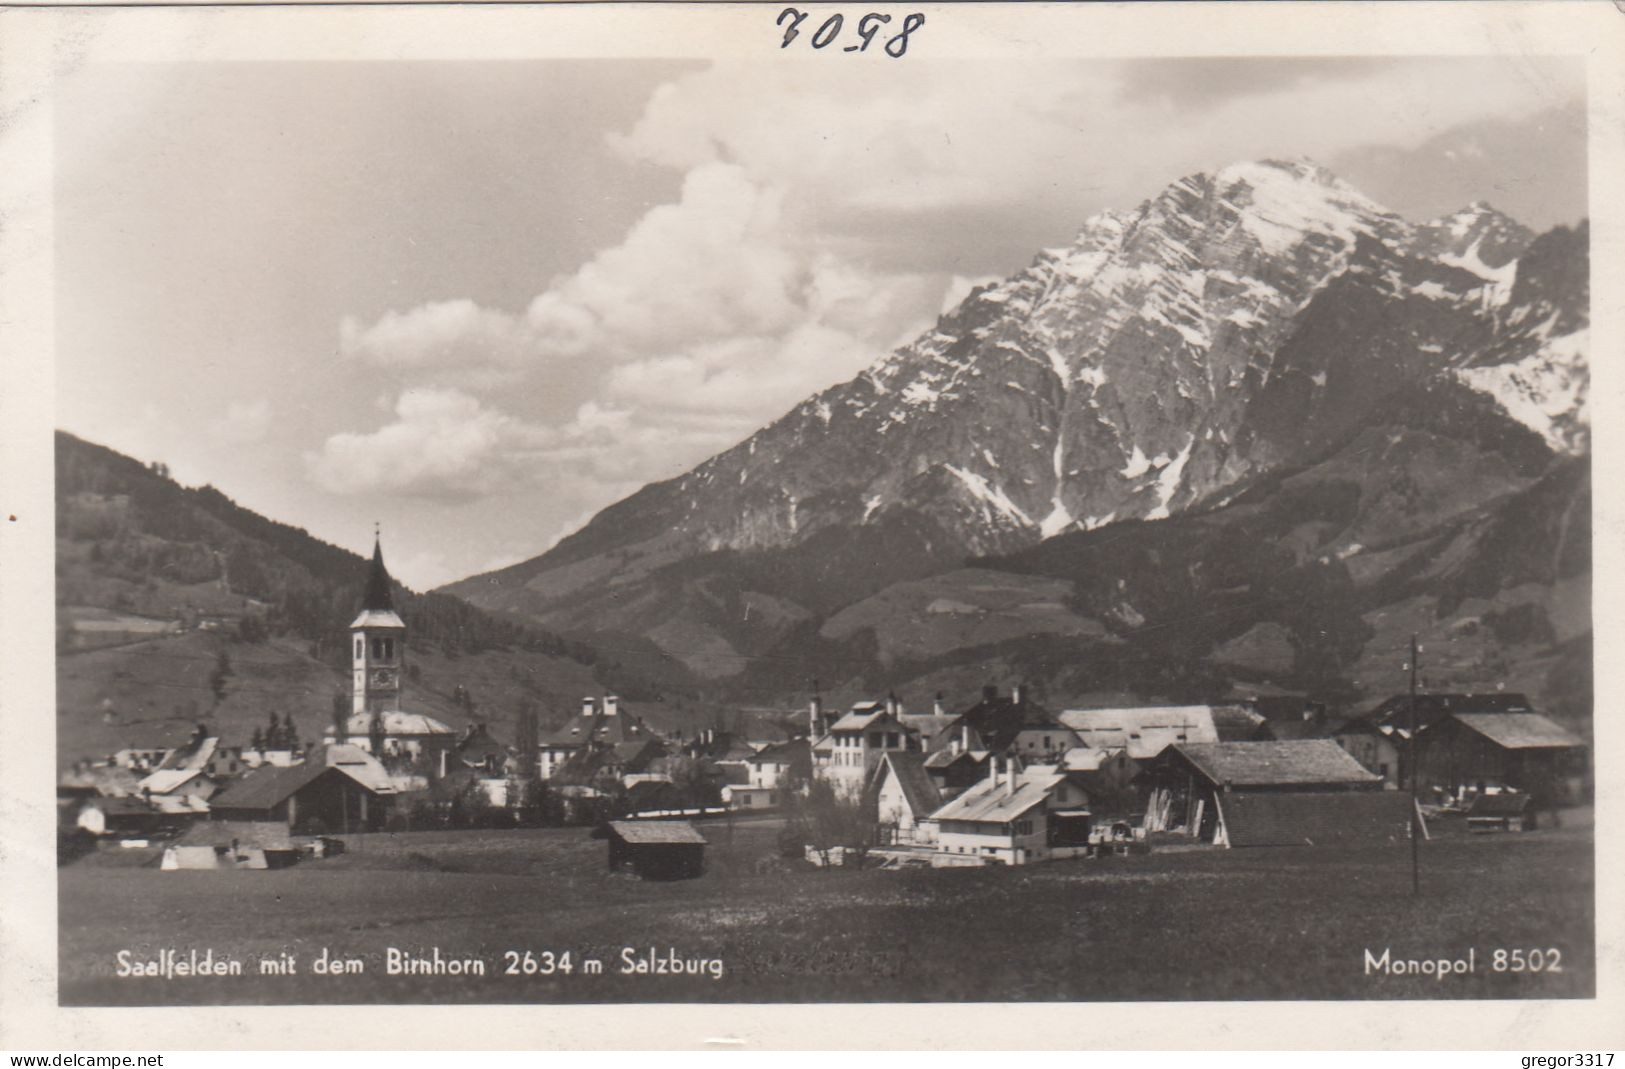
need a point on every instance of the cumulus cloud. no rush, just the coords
(443, 444)
(713, 314)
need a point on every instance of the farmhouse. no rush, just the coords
(655, 849)
(1186, 780)
(338, 788)
(1525, 751)
(904, 797)
(1013, 818)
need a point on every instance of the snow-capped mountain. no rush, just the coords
(1237, 325)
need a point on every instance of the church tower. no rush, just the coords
(378, 644)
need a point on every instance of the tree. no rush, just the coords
(218, 678)
(825, 819)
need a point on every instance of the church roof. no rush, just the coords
(378, 594)
(394, 722)
(378, 601)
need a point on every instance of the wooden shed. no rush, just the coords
(655, 849)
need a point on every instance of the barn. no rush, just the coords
(1525, 751)
(341, 789)
(1186, 782)
(655, 849)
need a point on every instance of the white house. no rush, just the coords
(1014, 817)
(846, 756)
(905, 798)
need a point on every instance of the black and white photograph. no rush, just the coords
(835, 518)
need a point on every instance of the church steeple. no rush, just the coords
(378, 594)
(378, 638)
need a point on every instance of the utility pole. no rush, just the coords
(1416, 820)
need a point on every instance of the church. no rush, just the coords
(413, 746)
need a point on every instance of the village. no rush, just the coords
(1000, 780)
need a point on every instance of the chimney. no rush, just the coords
(936, 706)
(992, 771)
(815, 716)
(1018, 694)
(964, 737)
(588, 706)
(612, 704)
(891, 703)
(1010, 777)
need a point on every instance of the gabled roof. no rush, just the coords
(1145, 731)
(656, 831)
(1518, 731)
(1431, 708)
(168, 779)
(583, 728)
(993, 803)
(908, 769)
(782, 753)
(948, 758)
(867, 721)
(1276, 764)
(268, 786)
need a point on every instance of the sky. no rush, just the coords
(479, 301)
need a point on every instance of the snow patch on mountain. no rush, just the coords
(1547, 391)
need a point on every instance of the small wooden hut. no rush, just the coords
(655, 849)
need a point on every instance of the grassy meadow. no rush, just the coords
(1191, 923)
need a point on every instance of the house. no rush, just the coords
(780, 764)
(1525, 751)
(1370, 745)
(904, 797)
(1185, 781)
(178, 783)
(338, 789)
(415, 745)
(1395, 712)
(593, 729)
(746, 796)
(478, 749)
(1010, 724)
(143, 758)
(1013, 818)
(954, 770)
(1316, 818)
(655, 849)
(847, 755)
(1142, 732)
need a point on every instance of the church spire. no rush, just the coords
(378, 585)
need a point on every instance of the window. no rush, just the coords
(360, 647)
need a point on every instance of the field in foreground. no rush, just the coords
(1197, 924)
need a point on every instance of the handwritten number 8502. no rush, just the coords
(868, 29)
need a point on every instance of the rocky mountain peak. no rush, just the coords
(1477, 238)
